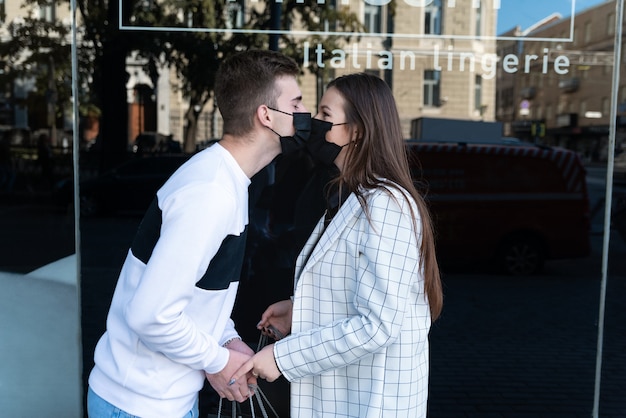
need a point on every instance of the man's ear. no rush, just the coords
(263, 114)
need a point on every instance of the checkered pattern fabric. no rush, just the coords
(359, 342)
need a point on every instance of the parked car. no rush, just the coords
(127, 188)
(515, 205)
(16, 136)
(153, 142)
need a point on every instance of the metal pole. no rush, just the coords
(75, 158)
(619, 13)
(275, 16)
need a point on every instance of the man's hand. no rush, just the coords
(239, 345)
(238, 390)
(262, 364)
(276, 320)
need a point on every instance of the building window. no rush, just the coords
(432, 18)
(372, 18)
(610, 24)
(235, 15)
(432, 88)
(587, 32)
(47, 12)
(185, 17)
(479, 19)
(606, 107)
(506, 96)
(478, 92)
(549, 113)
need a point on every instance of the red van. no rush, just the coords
(516, 205)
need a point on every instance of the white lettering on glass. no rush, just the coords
(359, 57)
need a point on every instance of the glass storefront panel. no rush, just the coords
(39, 300)
(512, 109)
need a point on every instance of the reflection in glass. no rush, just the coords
(432, 17)
(39, 343)
(432, 88)
(549, 88)
(372, 18)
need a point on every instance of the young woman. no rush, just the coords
(367, 281)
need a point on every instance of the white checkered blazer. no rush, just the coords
(359, 342)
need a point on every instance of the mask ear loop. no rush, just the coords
(279, 135)
(279, 111)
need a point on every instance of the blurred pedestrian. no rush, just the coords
(7, 172)
(367, 281)
(169, 324)
(44, 158)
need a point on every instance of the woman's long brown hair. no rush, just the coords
(379, 159)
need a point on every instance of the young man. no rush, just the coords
(169, 322)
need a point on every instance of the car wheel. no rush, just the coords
(89, 206)
(521, 256)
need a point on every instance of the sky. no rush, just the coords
(527, 12)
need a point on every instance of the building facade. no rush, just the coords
(439, 57)
(570, 107)
(440, 60)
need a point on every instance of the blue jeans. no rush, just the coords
(99, 408)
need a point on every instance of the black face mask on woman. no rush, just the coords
(321, 150)
(302, 124)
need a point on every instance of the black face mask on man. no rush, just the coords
(302, 125)
(321, 150)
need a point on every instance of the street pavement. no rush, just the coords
(526, 347)
(503, 347)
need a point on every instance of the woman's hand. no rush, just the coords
(238, 390)
(276, 320)
(262, 365)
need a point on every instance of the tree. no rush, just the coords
(39, 50)
(110, 48)
(196, 54)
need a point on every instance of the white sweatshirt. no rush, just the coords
(171, 308)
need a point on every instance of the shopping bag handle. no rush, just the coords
(260, 398)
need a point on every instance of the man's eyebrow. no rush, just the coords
(297, 99)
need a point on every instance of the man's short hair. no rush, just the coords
(245, 81)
